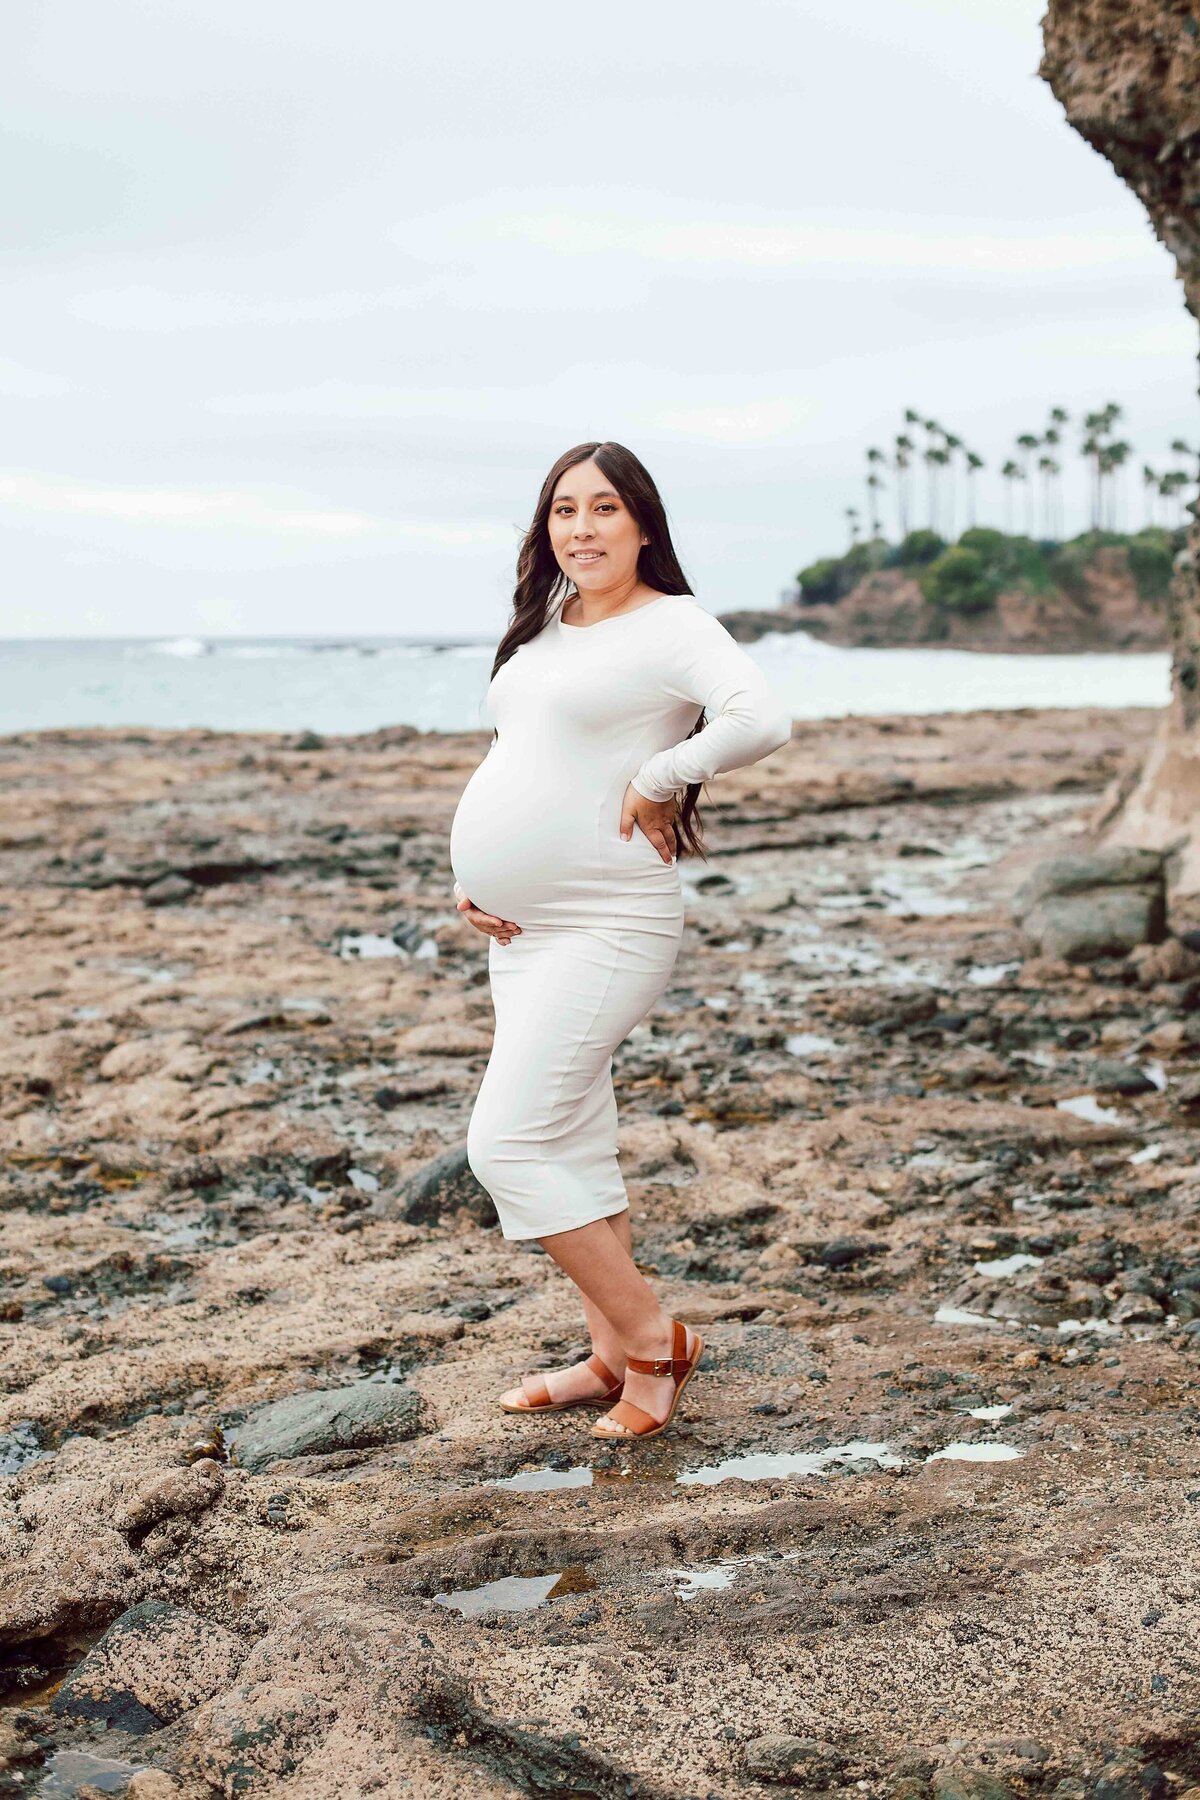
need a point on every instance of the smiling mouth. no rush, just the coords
(587, 555)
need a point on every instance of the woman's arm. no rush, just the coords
(745, 718)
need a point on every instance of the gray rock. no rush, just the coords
(1102, 922)
(171, 890)
(448, 1184)
(1137, 1309)
(1105, 903)
(793, 1761)
(1117, 867)
(1110, 1077)
(154, 1663)
(317, 1424)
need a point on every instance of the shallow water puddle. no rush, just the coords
(957, 1315)
(1009, 1265)
(365, 945)
(517, 1593)
(990, 1413)
(976, 1453)
(68, 1770)
(1148, 1153)
(1086, 1106)
(535, 1481)
(764, 1465)
(808, 1043)
(991, 974)
(1154, 1071)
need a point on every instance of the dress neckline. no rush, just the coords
(646, 606)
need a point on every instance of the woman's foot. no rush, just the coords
(593, 1382)
(654, 1395)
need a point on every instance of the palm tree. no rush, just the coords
(874, 457)
(1150, 483)
(852, 520)
(951, 444)
(932, 433)
(1091, 447)
(1047, 469)
(974, 463)
(1184, 449)
(1171, 487)
(1114, 457)
(900, 463)
(1051, 438)
(874, 483)
(1027, 443)
(1012, 471)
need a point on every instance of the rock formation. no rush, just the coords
(1127, 73)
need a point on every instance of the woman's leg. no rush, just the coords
(579, 1381)
(603, 1269)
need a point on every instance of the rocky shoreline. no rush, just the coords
(926, 1525)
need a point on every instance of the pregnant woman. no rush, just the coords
(564, 848)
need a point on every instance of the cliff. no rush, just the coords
(1102, 603)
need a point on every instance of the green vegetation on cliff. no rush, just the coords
(967, 577)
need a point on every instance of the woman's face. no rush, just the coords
(594, 535)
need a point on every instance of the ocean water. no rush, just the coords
(239, 684)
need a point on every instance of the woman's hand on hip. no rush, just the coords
(503, 930)
(656, 818)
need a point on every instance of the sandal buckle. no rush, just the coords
(661, 1365)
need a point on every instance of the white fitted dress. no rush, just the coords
(580, 712)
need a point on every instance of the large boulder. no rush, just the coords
(445, 1185)
(328, 1420)
(154, 1663)
(1075, 908)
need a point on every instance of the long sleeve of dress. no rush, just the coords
(746, 720)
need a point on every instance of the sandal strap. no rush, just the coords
(635, 1418)
(603, 1371)
(675, 1365)
(536, 1391)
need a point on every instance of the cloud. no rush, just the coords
(29, 384)
(236, 509)
(753, 422)
(157, 309)
(751, 244)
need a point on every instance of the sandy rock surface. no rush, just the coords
(931, 1200)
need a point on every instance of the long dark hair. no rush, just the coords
(540, 581)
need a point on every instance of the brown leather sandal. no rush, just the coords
(537, 1394)
(630, 1421)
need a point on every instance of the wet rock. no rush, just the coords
(180, 1494)
(793, 1761)
(197, 1172)
(169, 890)
(445, 1185)
(154, 1663)
(1078, 908)
(1137, 1309)
(1172, 960)
(1125, 1777)
(1187, 1094)
(842, 1253)
(1109, 1077)
(959, 1783)
(316, 1424)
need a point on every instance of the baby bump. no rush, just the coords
(544, 858)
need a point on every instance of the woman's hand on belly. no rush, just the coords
(656, 818)
(503, 930)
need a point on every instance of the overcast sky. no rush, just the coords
(301, 301)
